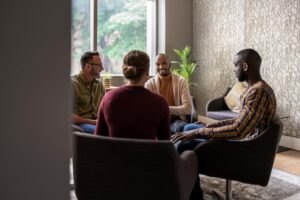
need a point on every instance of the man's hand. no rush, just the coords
(80, 120)
(183, 136)
(92, 121)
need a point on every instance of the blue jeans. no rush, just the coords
(192, 126)
(177, 126)
(88, 128)
(190, 144)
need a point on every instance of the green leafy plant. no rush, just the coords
(186, 66)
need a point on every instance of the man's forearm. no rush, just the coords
(80, 120)
(180, 110)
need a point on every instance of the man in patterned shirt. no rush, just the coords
(258, 107)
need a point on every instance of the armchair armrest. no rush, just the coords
(188, 172)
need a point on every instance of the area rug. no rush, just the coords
(281, 186)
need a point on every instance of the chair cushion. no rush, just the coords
(222, 114)
(232, 98)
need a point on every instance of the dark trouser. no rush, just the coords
(197, 193)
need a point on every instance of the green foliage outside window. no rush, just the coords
(121, 28)
(80, 31)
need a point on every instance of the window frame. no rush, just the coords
(151, 44)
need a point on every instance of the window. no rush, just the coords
(121, 26)
(80, 32)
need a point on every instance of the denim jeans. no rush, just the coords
(88, 128)
(190, 144)
(192, 126)
(177, 126)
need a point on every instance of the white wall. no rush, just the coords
(178, 25)
(35, 99)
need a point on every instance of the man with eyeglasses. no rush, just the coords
(88, 92)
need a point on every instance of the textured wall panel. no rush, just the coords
(272, 27)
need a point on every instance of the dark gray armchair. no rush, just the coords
(248, 161)
(131, 169)
(217, 108)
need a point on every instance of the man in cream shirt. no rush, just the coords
(174, 89)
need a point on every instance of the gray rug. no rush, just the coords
(281, 186)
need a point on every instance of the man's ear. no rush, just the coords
(87, 66)
(245, 67)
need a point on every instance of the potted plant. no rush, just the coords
(186, 68)
(186, 65)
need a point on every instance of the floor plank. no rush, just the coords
(288, 161)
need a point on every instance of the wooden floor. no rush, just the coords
(288, 161)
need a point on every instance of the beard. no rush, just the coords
(95, 74)
(163, 72)
(241, 77)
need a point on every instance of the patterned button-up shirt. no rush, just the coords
(258, 107)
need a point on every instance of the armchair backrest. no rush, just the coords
(217, 109)
(248, 161)
(118, 168)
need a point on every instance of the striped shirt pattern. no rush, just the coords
(258, 110)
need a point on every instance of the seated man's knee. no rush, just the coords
(177, 126)
(88, 128)
(192, 126)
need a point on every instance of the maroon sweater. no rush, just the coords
(133, 112)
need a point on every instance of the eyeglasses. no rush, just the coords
(98, 65)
